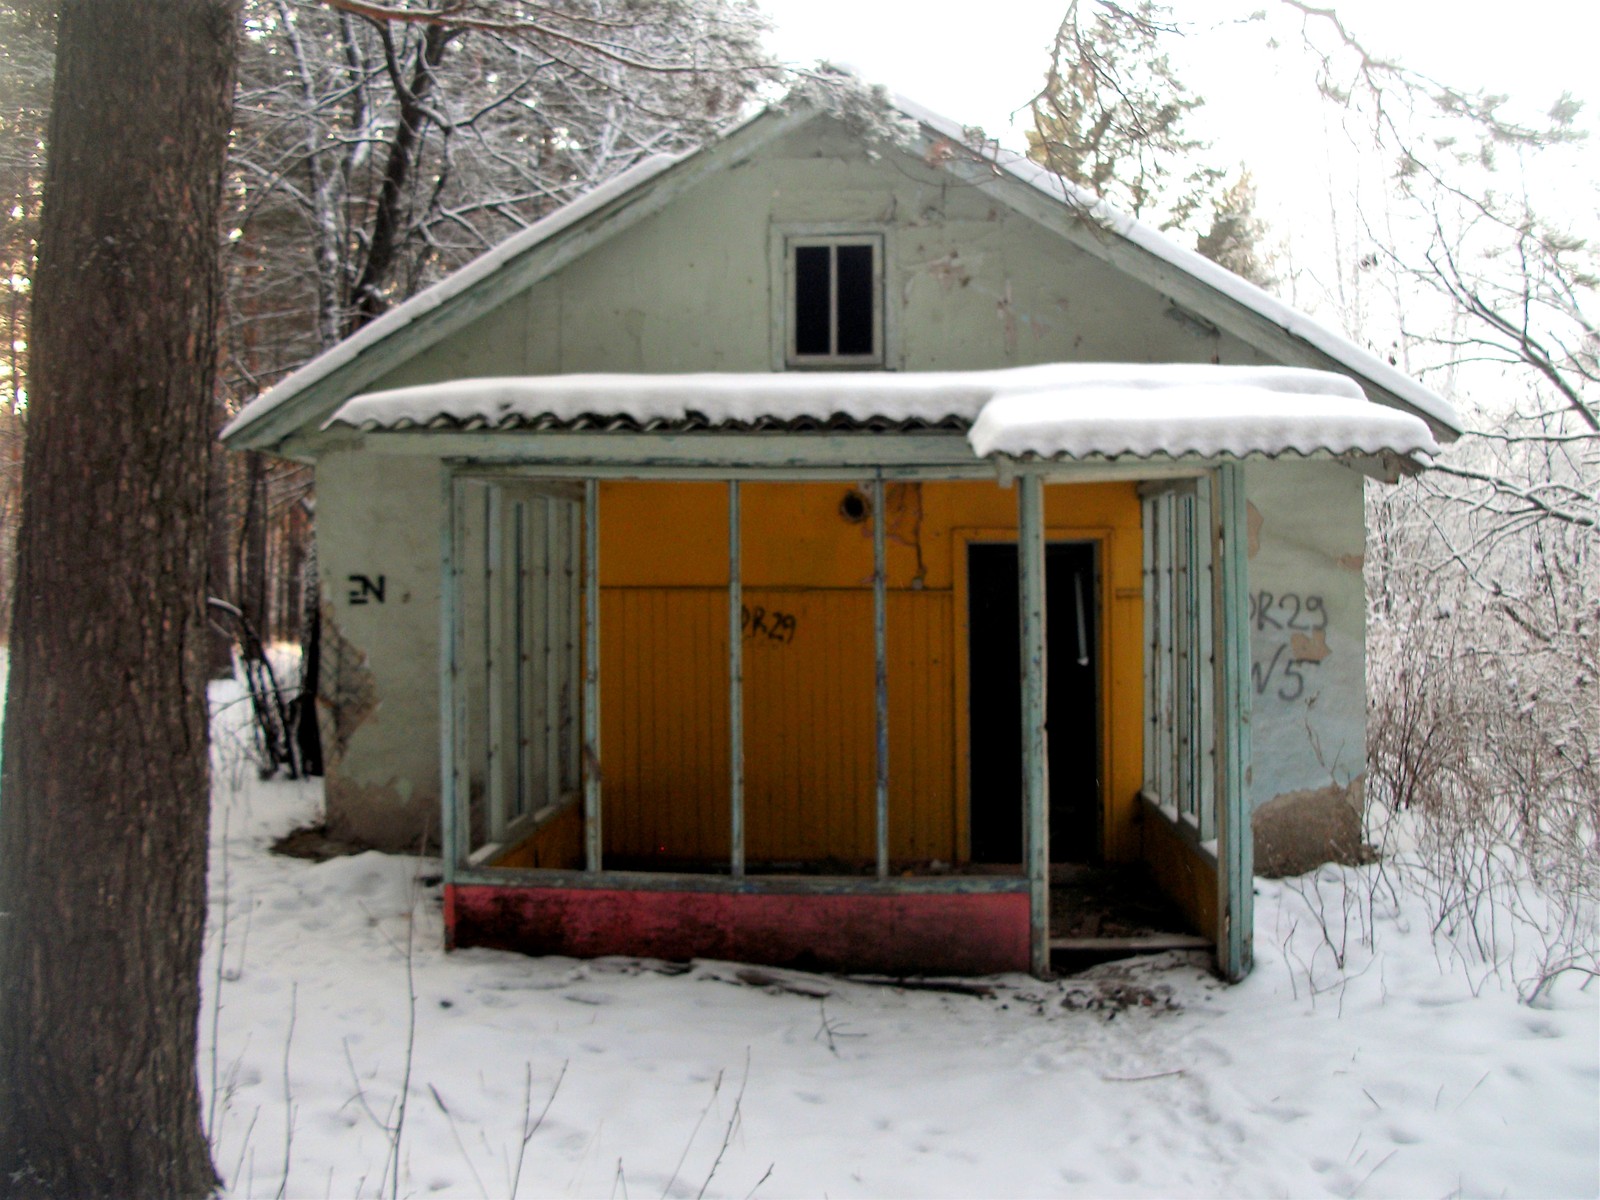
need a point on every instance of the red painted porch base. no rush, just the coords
(899, 935)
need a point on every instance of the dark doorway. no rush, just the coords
(994, 646)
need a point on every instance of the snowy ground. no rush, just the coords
(1405, 1074)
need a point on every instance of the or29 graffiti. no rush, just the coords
(1288, 610)
(774, 626)
(1294, 624)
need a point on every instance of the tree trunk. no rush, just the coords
(103, 825)
(366, 296)
(218, 559)
(252, 572)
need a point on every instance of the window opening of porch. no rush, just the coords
(837, 641)
(834, 300)
(822, 658)
(1180, 734)
(518, 626)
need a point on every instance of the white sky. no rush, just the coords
(977, 61)
(980, 62)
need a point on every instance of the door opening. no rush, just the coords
(995, 696)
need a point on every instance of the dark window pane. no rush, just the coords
(811, 300)
(855, 300)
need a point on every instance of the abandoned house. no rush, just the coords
(807, 549)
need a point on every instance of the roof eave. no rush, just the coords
(311, 392)
(1190, 282)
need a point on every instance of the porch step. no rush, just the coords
(1149, 943)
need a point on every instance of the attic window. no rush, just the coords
(835, 301)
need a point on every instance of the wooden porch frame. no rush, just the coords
(1231, 681)
(1231, 687)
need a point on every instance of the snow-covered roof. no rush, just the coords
(1066, 410)
(344, 363)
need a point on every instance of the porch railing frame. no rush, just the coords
(1230, 711)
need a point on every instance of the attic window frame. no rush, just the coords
(787, 244)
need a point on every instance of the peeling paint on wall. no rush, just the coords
(1008, 319)
(1309, 648)
(949, 271)
(346, 692)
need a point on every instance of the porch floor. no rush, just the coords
(1099, 912)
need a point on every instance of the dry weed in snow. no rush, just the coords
(1356, 1061)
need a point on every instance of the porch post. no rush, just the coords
(1231, 681)
(452, 696)
(591, 675)
(735, 683)
(880, 639)
(493, 658)
(1035, 740)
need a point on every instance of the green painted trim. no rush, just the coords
(880, 658)
(862, 451)
(447, 683)
(1205, 626)
(1230, 610)
(1035, 739)
(493, 662)
(782, 885)
(735, 680)
(592, 773)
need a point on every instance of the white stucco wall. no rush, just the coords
(969, 285)
(1308, 647)
(378, 519)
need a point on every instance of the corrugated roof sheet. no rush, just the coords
(1071, 410)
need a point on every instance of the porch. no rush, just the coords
(677, 780)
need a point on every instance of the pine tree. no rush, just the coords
(1111, 118)
(1236, 234)
(103, 828)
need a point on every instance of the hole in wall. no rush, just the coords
(855, 507)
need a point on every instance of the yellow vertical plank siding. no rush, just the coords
(808, 729)
(664, 723)
(809, 716)
(922, 744)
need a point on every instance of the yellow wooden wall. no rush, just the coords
(809, 719)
